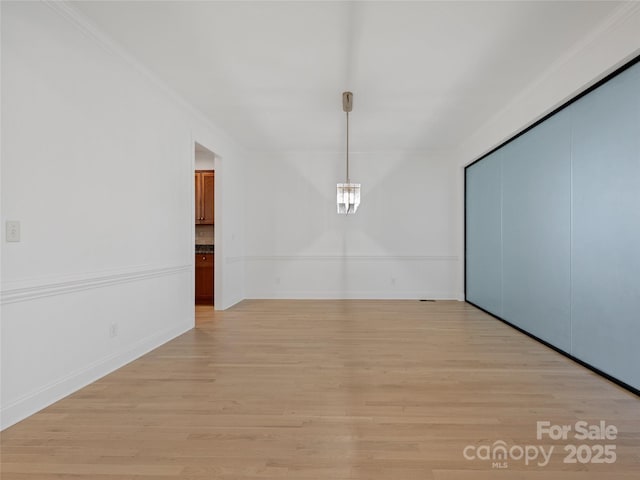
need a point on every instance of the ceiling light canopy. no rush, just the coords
(348, 194)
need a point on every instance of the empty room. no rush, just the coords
(320, 240)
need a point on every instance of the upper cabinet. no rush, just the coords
(204, 186)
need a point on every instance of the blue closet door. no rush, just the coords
(606, 227)
(536, 235)
(484, 234)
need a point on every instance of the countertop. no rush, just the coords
(204, 249)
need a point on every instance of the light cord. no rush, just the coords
(348, 148)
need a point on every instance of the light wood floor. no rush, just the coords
(327, 390)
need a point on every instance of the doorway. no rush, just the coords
(204, 220)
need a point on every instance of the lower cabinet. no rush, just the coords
(204, 279)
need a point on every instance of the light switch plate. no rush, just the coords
(13, 231)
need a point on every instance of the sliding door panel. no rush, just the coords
(536, 181)
(606, 227)
(483, 235)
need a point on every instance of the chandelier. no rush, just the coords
(348, 194)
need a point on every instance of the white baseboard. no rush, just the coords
(353, 295)
(29, 404)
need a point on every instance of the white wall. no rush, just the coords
(97, 159)
(401, 243)
(297, 247)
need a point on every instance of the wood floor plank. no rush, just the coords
(328, 390)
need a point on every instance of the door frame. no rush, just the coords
(217, 267)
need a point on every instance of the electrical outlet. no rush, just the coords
(113, 330)
(13, 231)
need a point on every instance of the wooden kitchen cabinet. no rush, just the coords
(204, 278)
(204, 186)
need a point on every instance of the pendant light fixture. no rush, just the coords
(348, 194)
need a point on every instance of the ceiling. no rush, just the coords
(425, 75)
